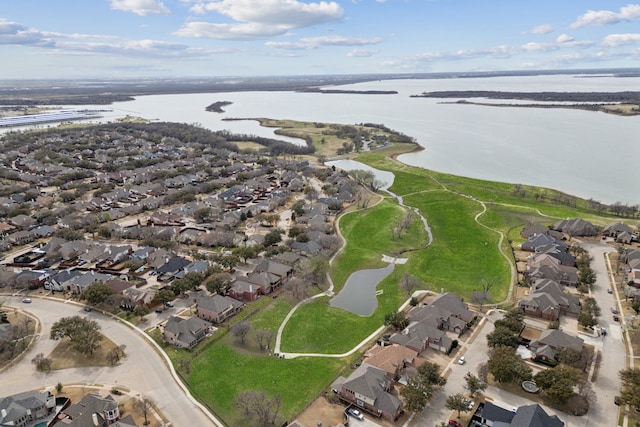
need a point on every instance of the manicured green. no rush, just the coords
(222, 373)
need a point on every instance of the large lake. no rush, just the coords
(588, 154)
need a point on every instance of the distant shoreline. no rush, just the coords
(619, 103)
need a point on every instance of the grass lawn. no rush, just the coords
(63, 356)
(222, 373)
(319, 328)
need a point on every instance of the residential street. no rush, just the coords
(606, 386)
(143, 371)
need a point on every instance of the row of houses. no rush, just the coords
(370, 387)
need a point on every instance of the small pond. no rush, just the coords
(359, 293)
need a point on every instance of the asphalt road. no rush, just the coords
(607, 385)
(143, 371)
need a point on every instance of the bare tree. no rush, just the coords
(241, 329)
(144, 406)
(265, 408)
(41, 362)
(479, 297)
(409, 283)
(264, 338)
(298, 288)
(244, 401)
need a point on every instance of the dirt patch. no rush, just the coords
(322, 411)
(64, 356)
(530, 333)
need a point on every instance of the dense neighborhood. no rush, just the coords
(179, 232)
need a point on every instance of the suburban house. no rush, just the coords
(217, 308)
(242, 290)
(20, 410)
(525, 416)
(551, 342)
(421, 335)
(94, 410)
(393, 359)
(449, 310)
(171, 267)
(547, 300)
(534, 229)
(79, 283)
(369, 388)
(546, 266)
(185, 333)
(614, 230)
(576, 227)
(281, 270)
(429, 324)
(538, 241)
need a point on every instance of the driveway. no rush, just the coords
(143, 370)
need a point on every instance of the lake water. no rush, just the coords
(588, 154)
(359, 292)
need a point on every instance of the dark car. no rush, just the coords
(87, 309)
(616, 400)
(616, 318)
(158, 310)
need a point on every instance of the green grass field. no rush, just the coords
(221, 373)
(463, 253)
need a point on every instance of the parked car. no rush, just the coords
(614, 310)
(616, 400)
(462, 360)
(168, 304)
(609, 291)
(355, 413)
(87, 309)
(26, 300)
(616, 318)
(454, 423)
(471, 404)
(158, 310)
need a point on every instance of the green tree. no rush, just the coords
(630, 392)
(188, 282)
(558, 383)
(272, 238)
(474, 384)
(502, 336)
(165, 295)
(420, 387)
(141, 310)
(83, 333)
(245, 252)
(96, 293)
(457, 402)
(217, 282)
(397, 319)
(506, 366)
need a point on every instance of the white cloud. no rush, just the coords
(540, 29)
(248, 31)
(12, 33)
(339, 41)
(361, 53)
(316, 42)
(140, 7)
(564, 38)
(505, 51)
(615, 40)
(289, 13)
(630, 12)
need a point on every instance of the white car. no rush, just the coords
(355, 413)
(26, 300)
(462, 360)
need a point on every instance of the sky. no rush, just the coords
(199, 38)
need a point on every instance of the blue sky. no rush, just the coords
(175, 38)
